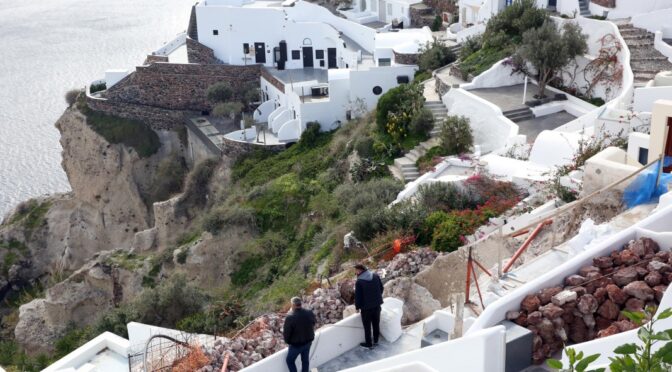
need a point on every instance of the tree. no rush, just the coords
(219, 92)
(456, 137)
(437, 23)
(230, 109)
(548, 50)
(434, 55)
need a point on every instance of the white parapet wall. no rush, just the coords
(110, 349)
(492, 130)
(646, 96)
(630, 8)
(330, 342)
(657, 226)
(606, 167)
(483, 351)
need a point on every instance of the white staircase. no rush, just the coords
(405, 167)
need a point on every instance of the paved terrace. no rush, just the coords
(511, 98)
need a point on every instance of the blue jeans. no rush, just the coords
(293, 352)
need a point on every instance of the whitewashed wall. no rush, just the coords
(646, 96)
(629, 8)
(491, 129)
(499, 75)
(496, 312)
(483, 351)
(606, 167)
(659, 20)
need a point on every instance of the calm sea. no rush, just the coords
(50, 46)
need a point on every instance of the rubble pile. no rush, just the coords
(408, 264)
(260, 339)
(589, 304)
(326, 304)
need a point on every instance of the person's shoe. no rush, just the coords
(375, 344)
(366, 346)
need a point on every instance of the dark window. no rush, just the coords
(215, 32)
(643, 155)
(377, 90)
(246, 48)
(322, 63)
(319, 54)
(384, 62)
(296, 54)
(403, 79)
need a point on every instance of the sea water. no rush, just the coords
(48, 47)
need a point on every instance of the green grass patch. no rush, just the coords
(13, 244)
(482, 60)
(126, 260)
(31, 215)
(247, 271)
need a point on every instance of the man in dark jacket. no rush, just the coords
(299, 333)
(368, 298)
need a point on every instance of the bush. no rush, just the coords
(456, 137)
(310, 136)
(219, 92)
(470, 46)
(406, 98)
(429, 225)
(430, 159)
(71, 96)
(366, 169)
(247, 270)
(170, 301)
(196, 188)
(442, 196)
(369, 222)
(227, 109)
(437, 23)
(97, 87)
(364, 147)
(168, 178)
(215, 221)
(448, 235)
(376, 193)
(422, 122)
(435, 55)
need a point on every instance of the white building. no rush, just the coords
(319, 67)
(386, 12)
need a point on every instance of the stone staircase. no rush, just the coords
(584, 8)
(519, 114)
(404, 168)
(645, 60)
(455, 49)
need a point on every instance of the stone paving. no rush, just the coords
(646, 61)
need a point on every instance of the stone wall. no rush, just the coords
(605, 3)
(157, 118)
(235, 149)
(440, 6)
(421, 15)
(405, 59)
(177, 86)
(199, 53)
(153, 58)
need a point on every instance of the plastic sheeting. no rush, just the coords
(390, 319)
(644, 189)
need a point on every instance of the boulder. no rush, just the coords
(347, 290)
(640, 290)
(625, 276)
(660, 267)
(418, 302)
(530, 303)
(551, 311)
(587, 304)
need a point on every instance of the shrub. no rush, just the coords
(422, 122)
(215, 221)
(369, 222)
(219, 92)
(168, 179)
(310, 135)
(456, 137)
(448, 235)
(227, 109)
(442, 196)
(437, 23)
(430, 159)
(366, 169)
(196, 188)
(182, 255)
(247, 270)
(515, 19)
(406, 98)
(170, 301)
(97, 87)
(429, 225)
(364, 147)
(435, 55)
(71, 96)
(471, 45)
(376, 193)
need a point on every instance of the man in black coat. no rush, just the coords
(299, 333)
(368, 298)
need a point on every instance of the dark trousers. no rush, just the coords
(293, 352)
(371, 319)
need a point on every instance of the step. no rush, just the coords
(412, 157)
(516, 111)
(396, 172)
(630, 37)
(640, 44)
(402, 163)
(518, 119)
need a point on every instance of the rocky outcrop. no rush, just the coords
(90, 291)
(418, 302)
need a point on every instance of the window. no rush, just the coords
(384, 62)
(319, 54)
(215, 32)
(377, 90)
(402, 79)
(322, 63)
(246, 48)
(296, 54)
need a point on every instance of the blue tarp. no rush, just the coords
(643, 189)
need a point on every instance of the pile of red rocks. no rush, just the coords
(589, 304)
(326, 304)
(408, 264)
(260, 339)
